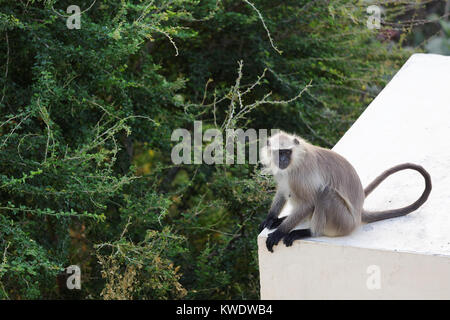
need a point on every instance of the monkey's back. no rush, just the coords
(341, 175)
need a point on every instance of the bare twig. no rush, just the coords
(264, 25)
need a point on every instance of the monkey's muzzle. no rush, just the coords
(284, 158)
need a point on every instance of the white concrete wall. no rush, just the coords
(409, 121)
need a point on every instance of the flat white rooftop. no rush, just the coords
(409, 121)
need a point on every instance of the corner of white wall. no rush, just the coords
(409, 121)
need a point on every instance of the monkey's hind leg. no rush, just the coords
(276, 223)
(333, 214)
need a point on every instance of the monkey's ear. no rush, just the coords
(296, 141)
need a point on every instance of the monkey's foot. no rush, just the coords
(295, 235)
(273, 239)
(271, 223)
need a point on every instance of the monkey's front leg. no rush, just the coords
(272, 220)
(299, 213)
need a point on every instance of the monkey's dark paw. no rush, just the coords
(275, 223)
(262, 225)
(270, 223)
(295, 235)
(289, 239)
(273, 239)
(265, 224)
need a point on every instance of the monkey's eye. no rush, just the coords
(285, 152)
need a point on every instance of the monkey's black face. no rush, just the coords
(284, 158)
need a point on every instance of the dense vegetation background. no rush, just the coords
(86, 118)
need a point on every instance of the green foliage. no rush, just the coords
(142, 270)
(440, 44)
(87, 115)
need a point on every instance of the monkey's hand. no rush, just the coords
(273, 239)
(271, 223)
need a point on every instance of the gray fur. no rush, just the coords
(277, 204)
(325, 187)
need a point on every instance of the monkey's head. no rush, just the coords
(281, 151)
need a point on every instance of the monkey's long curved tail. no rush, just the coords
(369, 216)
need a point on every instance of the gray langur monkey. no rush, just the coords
(322, 186)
